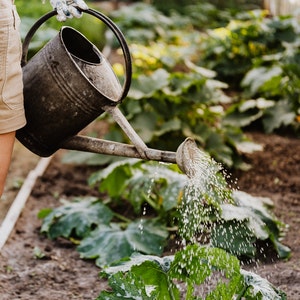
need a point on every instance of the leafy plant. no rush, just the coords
(246, 223)
(171, 97)
(259, 57)
(137, 183)
(179, 277)
(76, 218)
(159, 204)
(230, 50)
(164, 108)
(111, 243)
(279, 75)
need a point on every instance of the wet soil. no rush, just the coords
(61, 274)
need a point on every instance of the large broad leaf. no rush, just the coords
(260, 207)
(126, 286)
(113, 178)
(169, 126)
(198, 262)
(195, 264)
(257, 77)
(255, 224)
(235, 237)
(144, 123)
(77, 217)
(246, 222)
(191, 266)
(246, 112)
(260, 289)
(111, 243)
(149, 277)
(281, 114)
(242, 119)
(155, 277)
(146, 86)
(137, 259)
(170, 195)
(238, 231)
(156, 184)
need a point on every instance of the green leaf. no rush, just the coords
(260, 289)
(137, 259)
(274, 228)
(171, 194)
(144, 123)
(239, 119)
(255, 224)
(157, 278)
(113, 178)
(168, 126)
(153, 271)
(157, 185)
(192, 266)
(126, 286)
(77, 217)
(43, 213)
(246, 222)
(111, 243)
(195, 264)
(281, 114)
(151, 276)
(257, 77)
(248, 147)
(235, 237)
(148, 276)
(282, 250)
(243, 114)
(145, 86)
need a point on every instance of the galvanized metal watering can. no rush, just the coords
(67, 85)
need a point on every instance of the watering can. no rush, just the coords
(67, 85)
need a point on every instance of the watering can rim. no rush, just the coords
(102, 61)
(101, 58)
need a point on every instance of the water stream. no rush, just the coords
(206, 189)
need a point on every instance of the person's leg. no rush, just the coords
(6, 147)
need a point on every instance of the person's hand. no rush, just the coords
(68, 8)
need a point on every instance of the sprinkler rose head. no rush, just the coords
(187, 156)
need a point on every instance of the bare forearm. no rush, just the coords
(6, 147)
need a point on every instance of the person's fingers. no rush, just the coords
(68, 8)
(75, 12)
(81, 4)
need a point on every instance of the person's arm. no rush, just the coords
(68, 8)
(6, 146)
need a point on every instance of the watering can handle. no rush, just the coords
(107, 21)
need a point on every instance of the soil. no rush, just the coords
(61, 274)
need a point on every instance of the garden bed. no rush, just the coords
(33, 267)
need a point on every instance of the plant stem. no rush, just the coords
(242, 293)
(120, 217)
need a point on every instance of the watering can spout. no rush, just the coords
(186, 151)
(181, 157)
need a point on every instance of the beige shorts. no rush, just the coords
(12, 116)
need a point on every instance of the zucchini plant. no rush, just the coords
(144, 205)
(184, 275)
(258, 56)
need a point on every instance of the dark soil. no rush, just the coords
(61, 274)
